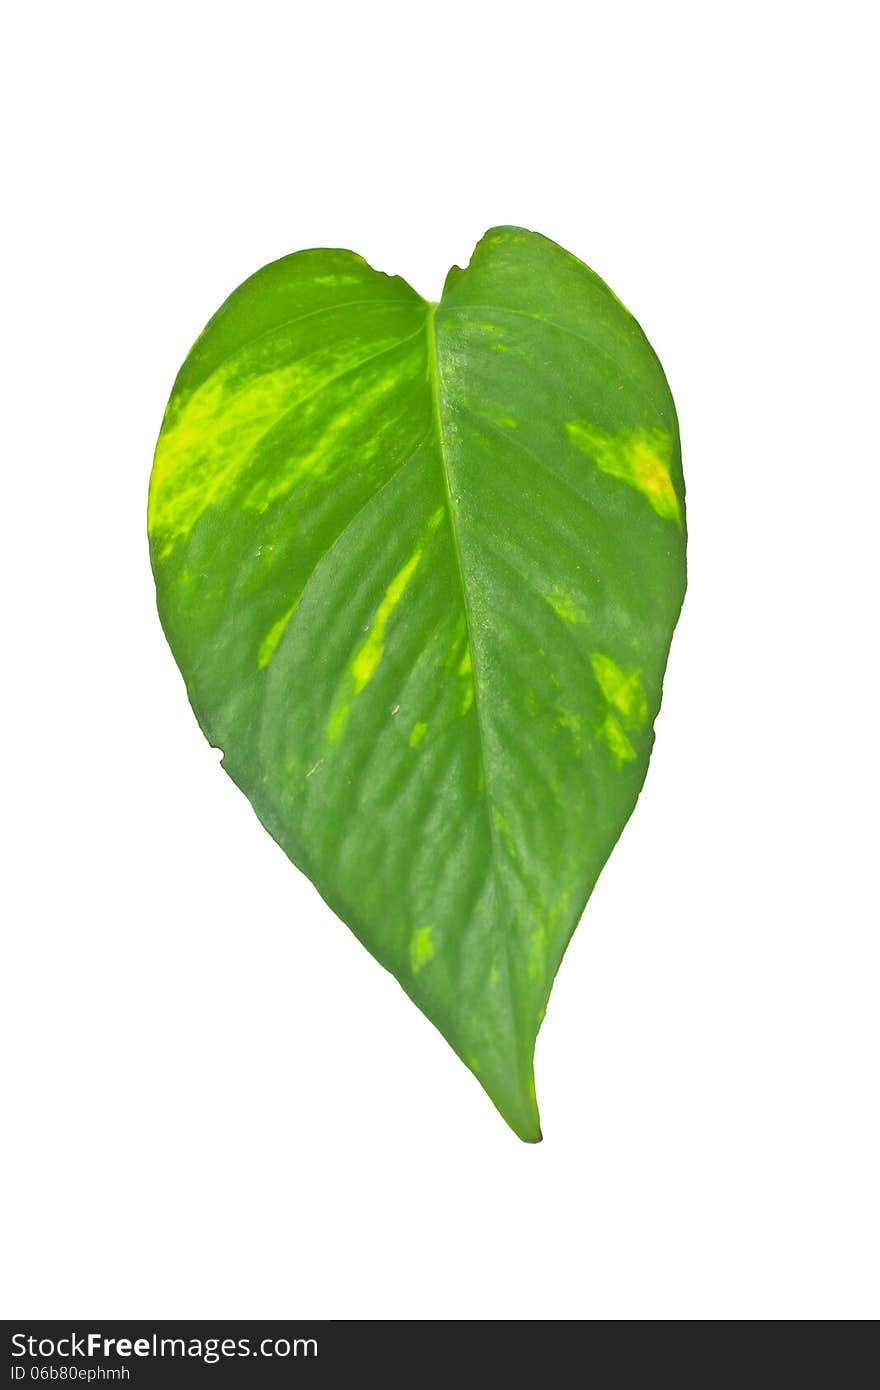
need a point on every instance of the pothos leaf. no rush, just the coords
(420, 566)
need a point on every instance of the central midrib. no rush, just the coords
(436, 388)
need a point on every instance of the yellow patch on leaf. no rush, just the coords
(626, 705)
(613, 734)
(270, 642)
(370, 654)
(638, 457)
(564, 606)
(421, 948)
(621, 689)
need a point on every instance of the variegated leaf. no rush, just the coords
(420, 566)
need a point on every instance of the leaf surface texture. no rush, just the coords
(420, 567)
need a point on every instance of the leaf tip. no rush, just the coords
(519, 1108)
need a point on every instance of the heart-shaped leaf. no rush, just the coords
(420, 566)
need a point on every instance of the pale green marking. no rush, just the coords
(273, 636)
(339, 278)
(536, 962)
(571, 722)
(465, 670)
(627, 705)
(364, 665)
(498, 417)
(421, 948)
(621, 689)
(337, 722)
(493, 975)
(456, 643)
(542, 938)
(612, 732)
(500, 346)
(367, 659)
(418, 733)
(564, 606)
(500, 824)
(638, 457)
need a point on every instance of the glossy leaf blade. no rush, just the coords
(420, 567)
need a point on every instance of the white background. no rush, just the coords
(219, 1104)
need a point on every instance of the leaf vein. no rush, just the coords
(481, 736)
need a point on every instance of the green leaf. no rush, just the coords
(420, 566)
